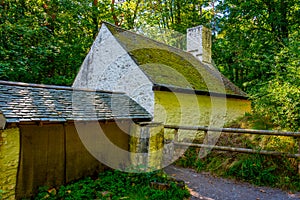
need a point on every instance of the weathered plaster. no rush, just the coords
(191, 109)
(147, 146)
(109, 67)
(196, 110)
(9, 160)
(199, 43)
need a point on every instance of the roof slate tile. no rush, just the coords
(20, 102)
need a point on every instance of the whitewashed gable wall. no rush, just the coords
(109, 67)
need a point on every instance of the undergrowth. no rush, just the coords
(118, 185)
(257, 169)
(266, 170)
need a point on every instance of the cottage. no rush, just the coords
(50, 134)
(41, 143)
(174, 86)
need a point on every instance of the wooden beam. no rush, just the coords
(241, 150)
(235, 130)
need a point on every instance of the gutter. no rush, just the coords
(167, 88)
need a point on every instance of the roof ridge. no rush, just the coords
(57, 87)
(167, 45)
(143, 36)
(230, 87)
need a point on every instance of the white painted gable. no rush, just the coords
(109, 67)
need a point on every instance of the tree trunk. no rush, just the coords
(283, 20)
(115, 18)
(95, 18)
(178, 16)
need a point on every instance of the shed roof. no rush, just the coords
(168, 66)
(22, 102)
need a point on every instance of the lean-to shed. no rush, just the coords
(175, 86)
(40, 143)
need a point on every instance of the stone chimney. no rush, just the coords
(199, 43)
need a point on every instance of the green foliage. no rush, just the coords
(117, 185)
(189, 158)
(256, 43)
(257, 48)
(279, 98)
(254, 168)
(258, 169)
(251, 35)
(46, 42)
(266, 170)
(176, 14)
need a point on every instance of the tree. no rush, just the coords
(46, 41)
(177, 15)
(278, 99)
(252, 33)
(258, 49)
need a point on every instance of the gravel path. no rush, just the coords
(207, 187)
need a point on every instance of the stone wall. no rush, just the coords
(147, 146)
(9, 160)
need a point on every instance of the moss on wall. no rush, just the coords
(156, 145)
(9, 160)
(191, 109)
(146, 145)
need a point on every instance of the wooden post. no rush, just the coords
(205, 137)
(205, 141)
(176, 139)
(176, 135)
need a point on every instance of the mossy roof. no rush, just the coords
(168, 66)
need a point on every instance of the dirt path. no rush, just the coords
(207, 187)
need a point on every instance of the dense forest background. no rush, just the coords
(255, 43)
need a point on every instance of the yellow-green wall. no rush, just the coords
(146, 145)
(196, 110)
(192, 109)
(9, 160)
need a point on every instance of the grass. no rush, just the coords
(279, 172)
(263, 170)
(119, 185)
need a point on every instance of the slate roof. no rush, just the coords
(22, 102)
(168, 66)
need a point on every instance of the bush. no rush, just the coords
(117, 185)
(278, 99)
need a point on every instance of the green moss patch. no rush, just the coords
(166, 65)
